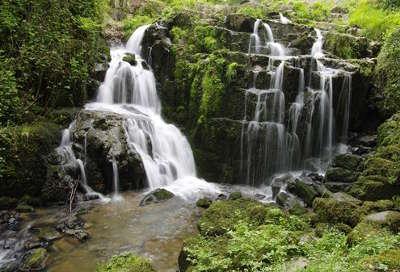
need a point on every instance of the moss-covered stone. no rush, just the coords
(24, 208)
(235, 195)
(126, 262)
(390, 219)
(222, 216)
(340, 208)
(34, 260)
(381, 176)
(363, 231)
(369, 207)
(130, 58)
(388, 73)
(346, 46)
(348, 161)
(204, 203)
(306, 191)
(389, 260)
(23, 152)
(156, 196)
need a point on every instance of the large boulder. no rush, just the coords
(99, 139)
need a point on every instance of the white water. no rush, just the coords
(69, 161)
(283, 19)
(130, 91)
(272, 144)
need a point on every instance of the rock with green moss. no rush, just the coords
(303, 189)
(34, 260)
(390, 219)
(388, 74)
(126, 262)
(130, 58)
(388, 260)
(23, 151)
(204, 203)
(158, 195)
(346, 46)
(369, 207)
(348, 161)
(363, 231)
(340, 208)
(235, 195)
(222, 216)
(24, 208)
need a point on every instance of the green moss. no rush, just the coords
(331, 210)
(204, 203)
(363, 231)
(388, 260)
(369, 207)
(388, 73)
(24, 151)
(380, 178)
(35, 260)
(126, 262)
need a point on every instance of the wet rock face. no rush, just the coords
(216, 140)
(99, 138)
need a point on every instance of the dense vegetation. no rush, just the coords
(47, 54)
(243, 235)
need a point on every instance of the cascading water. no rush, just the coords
(69, 161)
(274, 142)
(129, 90)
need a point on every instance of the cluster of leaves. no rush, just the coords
(49, 49)
(280, 242)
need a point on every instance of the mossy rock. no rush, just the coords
(24, 208)
(204, 203)
(306, 191)
(235, 195)
(222, 216)
(388, 74)
(156, 196)
(364, 231)
(130, 58)
(126, 262)
(369, 207)
(348, 161)
(24, 151)
(34, 260)
(346, 46)
(340, 208)
(374, 188)
(389, 260)
(390, 219)
(338, 174)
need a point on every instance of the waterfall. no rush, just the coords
(116, 195)
(129, 90)
(69, 161)
(272, 143)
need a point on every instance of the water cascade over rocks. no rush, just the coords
(275, 140)
(129, 92)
